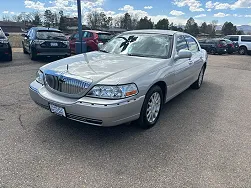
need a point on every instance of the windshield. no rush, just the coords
(48, 35)
(143, 45)
(2, 35)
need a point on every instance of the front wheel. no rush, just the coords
(151, 108)
(33, 56)
(197, 84)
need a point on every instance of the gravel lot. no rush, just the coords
(203, 138)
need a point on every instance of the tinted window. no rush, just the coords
(234, 38)
(246, 38)
(140, 44)
(228, 41)
(192, 44)
(105, 36)
(181, 44)
(223, 42)
(48, 35)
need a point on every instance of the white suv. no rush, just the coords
(244, 42)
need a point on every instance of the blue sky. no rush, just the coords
(177, 11)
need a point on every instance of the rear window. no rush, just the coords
(50, 35)
(104, 36)
(246, 38)
(228, 41)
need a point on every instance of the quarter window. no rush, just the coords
(192, 44)
(246, 38)
(181, 44)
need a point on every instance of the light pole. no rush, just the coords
(80, 24)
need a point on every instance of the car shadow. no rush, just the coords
(190, 114)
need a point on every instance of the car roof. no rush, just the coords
(45, 28)
(155, 31)
(96, 31)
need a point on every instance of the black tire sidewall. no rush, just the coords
(244, 49)
(143, 122)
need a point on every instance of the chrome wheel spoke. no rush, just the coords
(153, 107)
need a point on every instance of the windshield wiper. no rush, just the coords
(103, 51)
(59, 38)
(143, 55)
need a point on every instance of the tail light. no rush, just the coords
(220, 45)
(232, 45)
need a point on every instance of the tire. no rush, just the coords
(212, 51)
(242, 50)
(88, 49)
(230, 52)
(33, 56)
(9, 57)
(197, 84)
(24, 50)
(145, 122)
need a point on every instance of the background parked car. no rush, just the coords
(214, 46)
(5, 47)
(41, 41)
(232, 46)
(244, 42)
(92, 39)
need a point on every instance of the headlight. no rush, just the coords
(66, 42)
(38, 41)
(4, 41)
(113, 92)
(40, 77)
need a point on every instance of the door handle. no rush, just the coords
(190, 62)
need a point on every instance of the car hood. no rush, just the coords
(99, 66)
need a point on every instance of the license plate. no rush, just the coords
(54, 44)
(57, 110)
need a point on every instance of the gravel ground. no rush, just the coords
(202, 139)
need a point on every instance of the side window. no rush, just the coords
(234, 38)
(181, 44)
(29, 32)
(192, 44)
(246, 38)
(85, 34)
(76, 36)
(90, 34)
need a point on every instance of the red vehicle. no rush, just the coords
(92, 39)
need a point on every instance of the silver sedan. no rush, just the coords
(128, 80)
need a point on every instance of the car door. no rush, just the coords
(196, 59)
(181, 67)
(72, 42)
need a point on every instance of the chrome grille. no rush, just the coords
(65, 84)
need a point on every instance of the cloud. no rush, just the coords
(176, 13)
(221, 15)
(209, 10)
(194, 5)
(235, 5)
(127, 8)
(148, 7)
(200, 16)
(12, 12)
(6, 12)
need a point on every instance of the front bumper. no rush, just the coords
(87, 110)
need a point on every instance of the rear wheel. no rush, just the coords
(151, 108)
(242, 50)
(33, 56)
(197, 84)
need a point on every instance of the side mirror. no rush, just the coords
(100, 45)
(183, 54)
(7, 34)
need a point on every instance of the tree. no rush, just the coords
(240, 32)
(192, 27)
(61, 25)
(36, 20)
(162, 24)
(48, 18)
(203, 28)
(105, 22)
(228, 29)
(145, 23)
(126, 22)
(93, 19)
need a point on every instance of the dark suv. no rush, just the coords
(214, 46)
(41, 41)
(5, 47)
